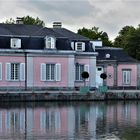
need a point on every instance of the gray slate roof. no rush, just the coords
(117, 54)
(69, 34)
(32, 36)
(35, 30)
(18, 29)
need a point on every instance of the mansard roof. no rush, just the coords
(32, 37)
(18, 29)
(36, 30)
(116, 54)
(69, 34)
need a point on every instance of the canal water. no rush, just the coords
(70, 121)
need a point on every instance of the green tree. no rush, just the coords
(129, 40)
(95, 34)
(27, 20)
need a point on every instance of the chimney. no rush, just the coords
(57, 24)
(19, 20)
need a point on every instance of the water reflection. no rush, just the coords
(70, 121)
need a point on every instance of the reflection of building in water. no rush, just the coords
(76, 121)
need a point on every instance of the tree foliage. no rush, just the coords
(129, 40)
(95, 34)
(27, 20)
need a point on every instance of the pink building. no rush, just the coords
(121, 69)
(42, 58)
(36, 57)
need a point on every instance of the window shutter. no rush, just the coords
(52, 43)
(86, 68)
(72, 45)
(43, 72)
(83, 46)
(76, 46)
(0, 71)
(8, 71)
(58, 72)
(22, 71)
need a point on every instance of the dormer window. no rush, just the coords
(50, 42)
(15, 43)
(80, 46)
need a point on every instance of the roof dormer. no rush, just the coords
(50, 42)
(15, 43)
(78, 46)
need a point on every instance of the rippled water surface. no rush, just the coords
(70, 121)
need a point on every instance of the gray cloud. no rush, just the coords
(109, 15)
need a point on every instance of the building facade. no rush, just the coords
(121, 69)
(39, 57)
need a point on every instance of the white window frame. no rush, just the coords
(80, 46)
(15, 43)
(78, 72)
(50, 72)
(15, 71)
(52, 76)
(0, 71)
(126, 76)
(50, 43)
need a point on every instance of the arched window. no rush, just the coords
(50, 42)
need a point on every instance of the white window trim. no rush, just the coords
(43, 74)
(86, 68)
(83, 46)
(21, 72)
(79, 80)
(52, 42)
(15, 43)
(0, 71)
(126, 81)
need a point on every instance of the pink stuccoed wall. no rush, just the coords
(133, 68)
(10, 59)
(64, 71)
(110, 81)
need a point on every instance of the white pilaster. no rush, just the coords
(71, 71)
(30, 71)
(92, 71)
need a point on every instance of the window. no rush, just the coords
(50, 72)
(79, 70)
(50, 42)
(126, 77)
(15, 43)
(80, 46)
(99, 69)
(15, 71)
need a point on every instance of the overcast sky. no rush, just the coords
(109, 15)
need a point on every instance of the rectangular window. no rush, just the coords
(80, 46)
(79, 70)
(15, 69)
(50, 72)
(126, 77)
(15, 43)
